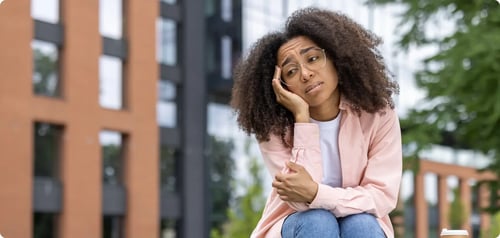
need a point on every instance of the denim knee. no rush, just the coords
(360, 225)
(311, 223)
(317, 217)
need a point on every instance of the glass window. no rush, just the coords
(45, 69)
(47, 149)
(168, 228)
(44, 225)
(110, 82)
(167, 168)
(45, 10)
(227, 58)
(167, 41)
(112, 227)
(169, 1)
(112, 156)
(111, 18)
(166, 108)
(226, 10)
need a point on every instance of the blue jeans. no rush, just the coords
(322, 223)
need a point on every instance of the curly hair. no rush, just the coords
(364, 80)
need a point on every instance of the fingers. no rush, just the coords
(294, 166)
(277, 72)
(278, 88)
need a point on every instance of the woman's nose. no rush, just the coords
(306, 73)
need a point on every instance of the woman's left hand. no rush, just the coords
(297, 186)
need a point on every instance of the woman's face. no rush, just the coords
(307, 72)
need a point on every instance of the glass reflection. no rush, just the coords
(169, 1)
(111, 18)
(45, 69)
(166, 108)
(110, 82)
(227, 58)
(167, 168)
(47, 150)
(45, 10)
(112, 161)
(167, 41)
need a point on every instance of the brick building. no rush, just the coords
(103, 114)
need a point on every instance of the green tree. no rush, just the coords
(456, 216)
(221, 177)
(461, 80)
(244, 216)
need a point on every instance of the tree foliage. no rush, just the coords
(247, 208)
(221, 177)
(456, 216)
(461, 80)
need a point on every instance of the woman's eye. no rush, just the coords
(291, 72)
(313, 58)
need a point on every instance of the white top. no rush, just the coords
(329, 133)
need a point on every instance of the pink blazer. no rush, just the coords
(371, 160)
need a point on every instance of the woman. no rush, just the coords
(317, 96)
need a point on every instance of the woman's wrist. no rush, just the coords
(314, 192)
(301, 117)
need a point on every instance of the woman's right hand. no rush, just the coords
(290, 100)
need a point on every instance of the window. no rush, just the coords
(111, 18)
(45, 69)
(112, 157)
(45, 10)
(44, 225)
(169, 1)
(227, 59)
(166, 107)
(110, 82)
(47, 149)
(167, 168)
(167, 41)
(168, 228)
(112, 227)
(226, 10)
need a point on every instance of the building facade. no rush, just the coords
(103, 114)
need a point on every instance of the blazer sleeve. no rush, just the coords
(378, 189)
(305, 151)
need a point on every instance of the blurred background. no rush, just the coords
(114, 116)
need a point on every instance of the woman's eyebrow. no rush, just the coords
(302, 51)
(305, 50)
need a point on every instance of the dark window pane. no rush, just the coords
(167, 168)
(47, 149)
(112, 161)
(112, 227)
(44, 225)
(45, 69)
(168, 228)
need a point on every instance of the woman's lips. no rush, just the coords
(313, 86)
